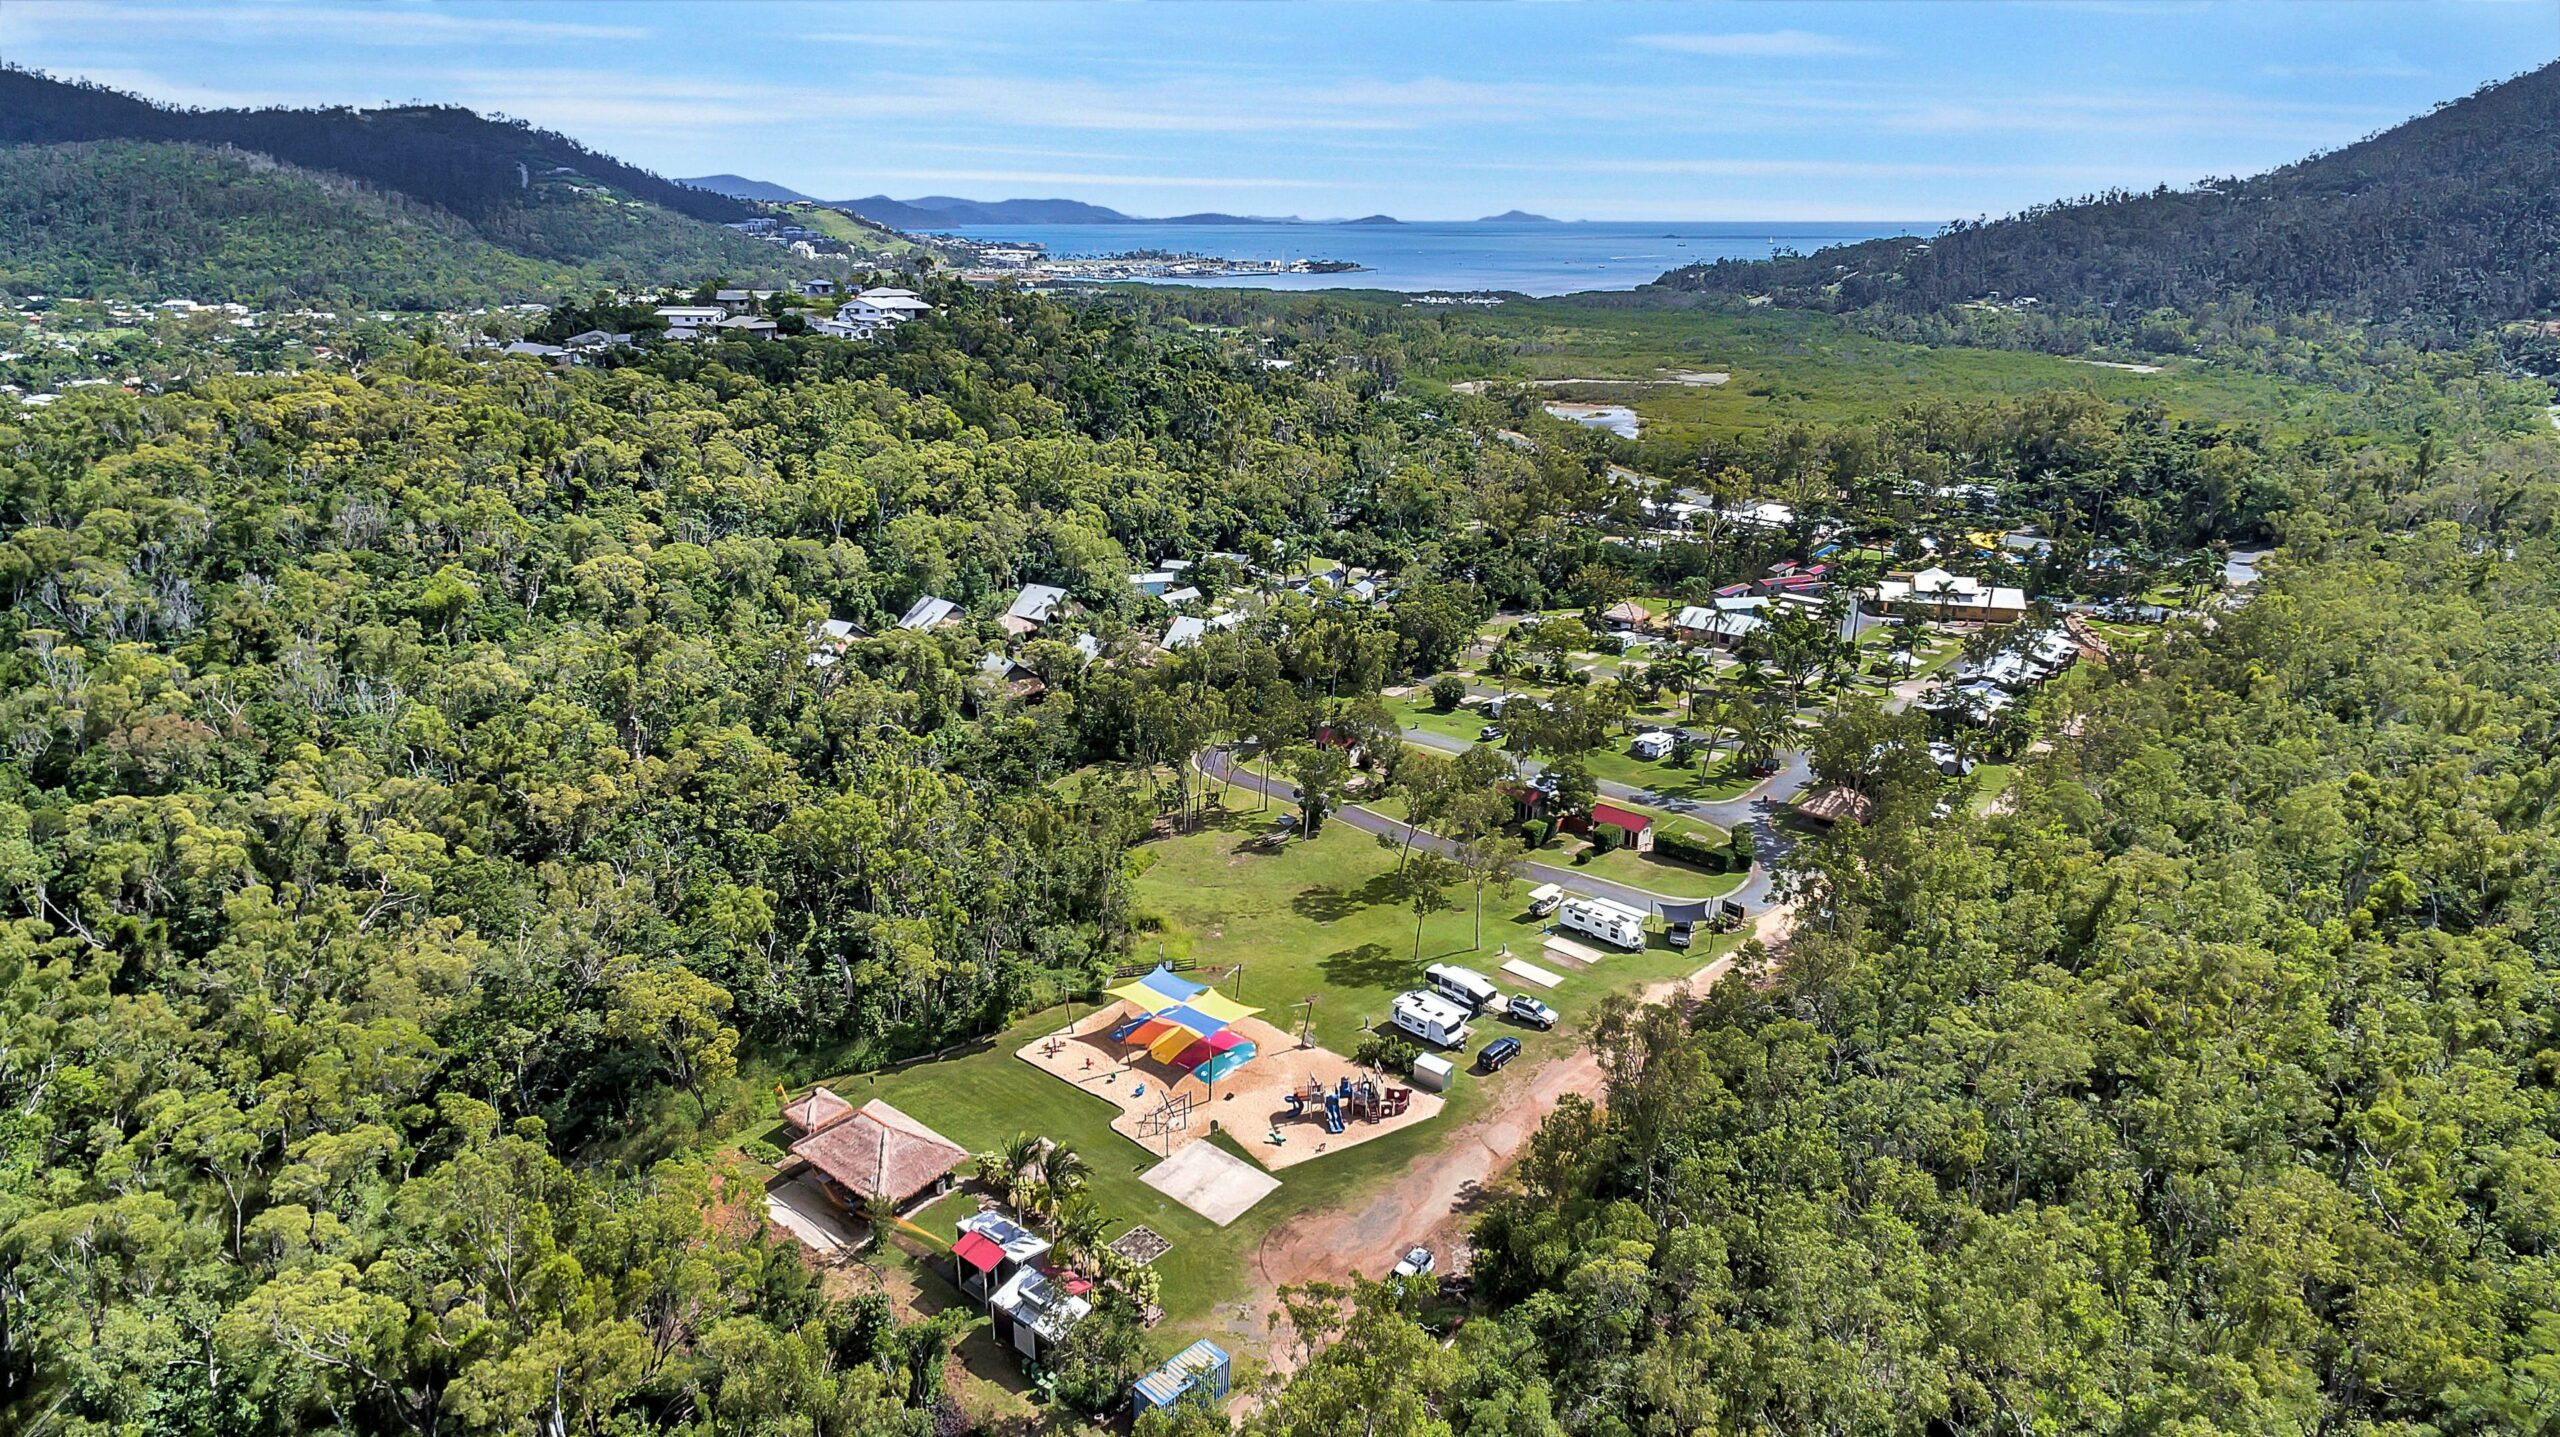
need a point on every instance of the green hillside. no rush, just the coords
(105, 194)
(2439, 228)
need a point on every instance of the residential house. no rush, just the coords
(882, 308)
(1017, 679)
(844, 329)
(1155, 582)
(1934, 593)
(1628, 613)
(1724, 628)
(1184, 595)
(1183, 632)
(747, 326)
(596, 341)
(817, 287)
(550, 352)
(1034, 606)
(1635, 831)
(735, 301)
(928, 612)
(879, 1158)
(829, 642)
(691, 321)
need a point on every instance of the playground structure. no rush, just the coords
(1149, 1094)
(1172, 1115)
(1369, 1100)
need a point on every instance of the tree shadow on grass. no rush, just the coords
(1331, 905)
(1370, 965)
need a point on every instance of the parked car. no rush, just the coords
(1490, 733)
(1416, 1263)
(1530, 1011)
(1497, 1053)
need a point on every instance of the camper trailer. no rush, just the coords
(1465, 987)
(1544, 900)
(1432, 1018)
(1612, 923)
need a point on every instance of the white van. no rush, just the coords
(1431, 1018)
(1463, 986)
(1612, 923)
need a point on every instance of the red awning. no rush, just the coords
(978, 1250)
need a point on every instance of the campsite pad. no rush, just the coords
(1210, 1181)
(1251, 1102)
(1575, 952)
(1529, 972)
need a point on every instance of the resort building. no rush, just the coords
(1955, 598)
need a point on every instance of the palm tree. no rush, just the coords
(1018, 1157)
(1066, 1170)
(1076, 1225)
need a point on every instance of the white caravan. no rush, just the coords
(1611, 923)
(1432, 1018)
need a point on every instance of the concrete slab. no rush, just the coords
(1581, 955)
(798, 1206)
(1529, 972)
(1211, 1181)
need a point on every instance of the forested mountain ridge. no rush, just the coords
(2440, 227)
(124, 220)
(107, 195)
(442, 155)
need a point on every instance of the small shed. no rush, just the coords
(1203, 1366)
(1432, 1073)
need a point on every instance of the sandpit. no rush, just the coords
(1251, 1102)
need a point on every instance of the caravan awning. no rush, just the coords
(1693, 914)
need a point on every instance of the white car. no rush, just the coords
(1530, 1011)
(1417, 1263)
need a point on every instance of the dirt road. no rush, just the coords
(1434, 1202)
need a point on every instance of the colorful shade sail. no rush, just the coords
(1159, 989)
(1216, 1056)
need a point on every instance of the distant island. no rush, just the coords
(928, 213)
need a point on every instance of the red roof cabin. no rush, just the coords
(1634, 828)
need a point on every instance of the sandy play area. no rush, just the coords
(1251, 1102)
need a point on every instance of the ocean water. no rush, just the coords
(1533, 259)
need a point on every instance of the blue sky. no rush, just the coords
(1904, 111)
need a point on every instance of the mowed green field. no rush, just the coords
(1312, 918)
(1797, 366)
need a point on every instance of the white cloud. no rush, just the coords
(1757, 44)
(401, 24)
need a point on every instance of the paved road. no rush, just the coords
(1760, 809)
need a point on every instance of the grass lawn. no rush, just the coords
(1654, 875)
(1310, 919)
(1712, 782)
(1990, 781)
(1461, 724)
